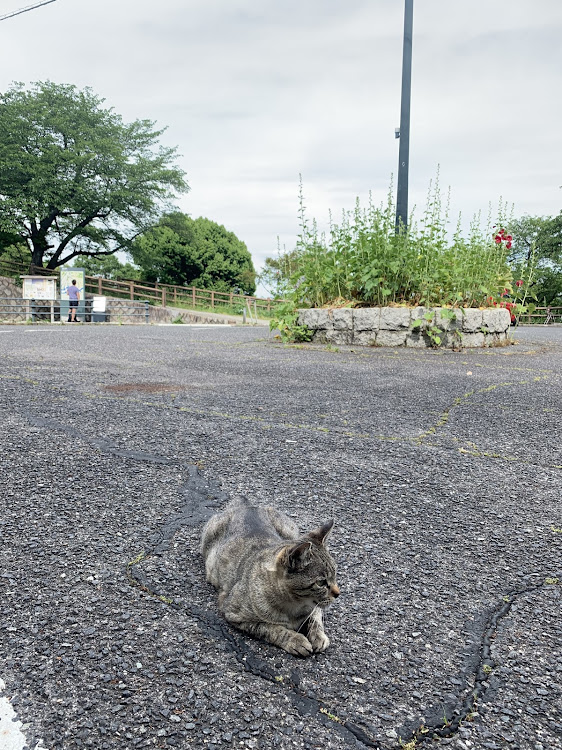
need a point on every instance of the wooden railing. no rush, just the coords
(544, 315)
(159, 294)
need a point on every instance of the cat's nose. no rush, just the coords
(335, 590)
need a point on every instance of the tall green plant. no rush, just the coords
(362, 260)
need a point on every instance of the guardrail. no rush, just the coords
(34, 310)
(160, 294)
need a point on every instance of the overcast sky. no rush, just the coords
(256, 92)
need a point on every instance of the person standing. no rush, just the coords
(73, 299)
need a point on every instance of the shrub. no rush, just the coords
(364, 261)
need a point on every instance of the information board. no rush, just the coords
(67, 275)
(39, 287)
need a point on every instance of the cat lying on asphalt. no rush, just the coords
(272, 582)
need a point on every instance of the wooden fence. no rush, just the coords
(544, 315)
(167, 295)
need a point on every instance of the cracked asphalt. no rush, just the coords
(442, 471)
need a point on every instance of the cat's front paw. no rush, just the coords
(298, 645)
(319, 641)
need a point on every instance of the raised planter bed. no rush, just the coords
(395, 326)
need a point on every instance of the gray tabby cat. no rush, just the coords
(273, 582)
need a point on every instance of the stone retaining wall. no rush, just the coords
(392, 326)
(117, 310)
(10, 311)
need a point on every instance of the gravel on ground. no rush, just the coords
(441, 469)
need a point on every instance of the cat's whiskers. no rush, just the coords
(309, 616)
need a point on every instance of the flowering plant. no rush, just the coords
(503, 236)
(512, 298)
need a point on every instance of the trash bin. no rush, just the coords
(98, 310)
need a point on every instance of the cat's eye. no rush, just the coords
(322, 582)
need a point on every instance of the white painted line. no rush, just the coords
(11, 737)
(197, 325)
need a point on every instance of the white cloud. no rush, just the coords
(256, 92)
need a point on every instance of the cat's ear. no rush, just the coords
(320, 535)
(298, 555)
(292, 557)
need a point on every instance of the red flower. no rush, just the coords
(508, 245)
(498, 239)
(519, 283)
(502, 232)
(509, 238)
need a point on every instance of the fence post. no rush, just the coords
(163, 296)
(212, 297)
(52, 311)
(146, 312)
(33, 311)
(132, 289)
(175, 295)
(231, 298)
(193, 295)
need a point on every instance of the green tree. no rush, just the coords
(194, 252)
(14, 255)
(538, 240)
(108, 267)
(74, 178)
(277, 273)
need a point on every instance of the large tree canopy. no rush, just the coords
(537, 241)
(198, 252)
(74, 178)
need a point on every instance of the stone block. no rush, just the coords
(394, 318)
(417, 313)
(496, 320)
(471, 319)
(496, 339)
(319, 336)
(325, 319)
(339, 337)
(391, 338)
(364, 338)
(308, 318)
(473, 340)
(446, 323)
(366, 319)
(416, 340)
(343, 319)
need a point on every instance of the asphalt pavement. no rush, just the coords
(441, 469)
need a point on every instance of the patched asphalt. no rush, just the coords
(442, 471)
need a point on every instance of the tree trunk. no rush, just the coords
(36, 258)
(40, 247)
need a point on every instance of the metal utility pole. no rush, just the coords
(404, 132)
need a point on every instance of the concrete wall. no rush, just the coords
(392, 326)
